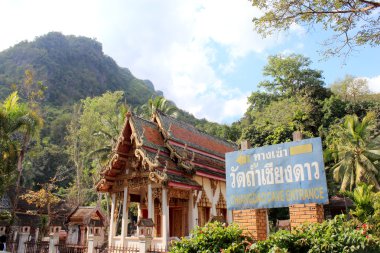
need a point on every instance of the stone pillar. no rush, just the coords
(111, 232)
(36, 235)
(53, 240)
(124, 219)
(165, 218)
(90, 244)
(23, 238)
(300, 213)
(253, 222)
(144, 243)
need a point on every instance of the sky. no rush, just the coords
(203, 54)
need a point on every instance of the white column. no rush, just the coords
(139, 212)
(124, 219)
(191, 210)
(195, 211)
(90, 244)
(165, 218)
(213, 204)
(150, 202)
(111, 232)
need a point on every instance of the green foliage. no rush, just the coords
(92, 133)
(157, 103)
(213, 237)
(291, 101)
(354, 151)
(333, 109)
(291, 75)
(5, 216)
(351, 88)
(366, 203)
(336, 235)
(16, 120)
(354, 22)
(71, 68)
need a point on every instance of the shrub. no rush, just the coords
(213, 237)
(337, 235)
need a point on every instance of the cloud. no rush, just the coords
(374, 84)
(175, 44)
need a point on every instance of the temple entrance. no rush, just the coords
(178, 220)
(176, 223)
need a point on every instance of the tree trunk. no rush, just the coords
(20, 169)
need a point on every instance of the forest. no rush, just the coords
(63, 103)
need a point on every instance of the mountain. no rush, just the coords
(72, 67)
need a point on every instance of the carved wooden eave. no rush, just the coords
(158, 177)
(147, 162)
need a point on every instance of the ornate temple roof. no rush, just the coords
(165, 150)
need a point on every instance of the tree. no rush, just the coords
(275, 122)
(43, 198)
(355, 151)
(92, 133)
(291, 75)
(157, 103)
(291, 101)
(11, 120)
(350, 88)
(354, 22)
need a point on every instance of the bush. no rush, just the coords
(213, 237)
(337, 235)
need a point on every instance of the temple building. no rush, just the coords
(172, 172)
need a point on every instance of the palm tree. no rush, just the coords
(17, 122)
(9, 124)
(355, 151)
(158, 103)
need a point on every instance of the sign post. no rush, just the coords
(280, 175)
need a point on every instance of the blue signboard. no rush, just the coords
(276, 176)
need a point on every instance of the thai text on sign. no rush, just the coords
(276, 176)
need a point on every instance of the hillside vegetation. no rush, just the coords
(72, 68)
